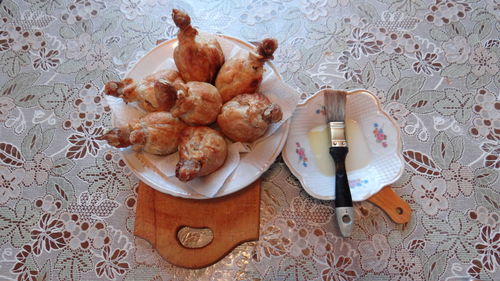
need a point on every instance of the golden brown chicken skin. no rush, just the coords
(153, 93)
(197, 57)
(156, 133)
(202, 151)
(243, 74)
(198, 103)
(246, 117)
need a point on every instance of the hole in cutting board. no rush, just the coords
(194, 237)
(399, 210)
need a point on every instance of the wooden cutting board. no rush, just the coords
(233, 219)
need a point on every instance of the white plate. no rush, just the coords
(252, 164)
(380, 150)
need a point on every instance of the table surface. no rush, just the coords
(67, 200)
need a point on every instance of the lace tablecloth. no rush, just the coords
(67, 200)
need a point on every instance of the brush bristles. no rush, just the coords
(335, 105)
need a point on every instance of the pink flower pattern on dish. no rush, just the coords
(302, 154)
(379, 134)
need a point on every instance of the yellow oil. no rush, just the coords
(358, 157)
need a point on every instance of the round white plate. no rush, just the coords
(252, 164)
(377, 147)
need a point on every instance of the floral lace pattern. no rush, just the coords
(67, 200)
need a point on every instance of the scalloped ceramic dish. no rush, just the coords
(252, 164)
(374, 158)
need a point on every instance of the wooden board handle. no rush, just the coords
(233, 219)
(395, 207)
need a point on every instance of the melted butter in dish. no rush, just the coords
(358, 157)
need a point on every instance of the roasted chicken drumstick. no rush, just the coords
(198, 57)
(202, 150)
(243, 74)
(246, 117)
(156, 133)
(198, 103)
(153, 93)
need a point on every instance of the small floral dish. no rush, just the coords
(374, 159)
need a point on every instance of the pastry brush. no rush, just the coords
(335, 102)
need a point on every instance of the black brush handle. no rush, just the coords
(342, 191)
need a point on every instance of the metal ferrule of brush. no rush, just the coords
(337, 134)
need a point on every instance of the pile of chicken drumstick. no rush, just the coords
(182, 103)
